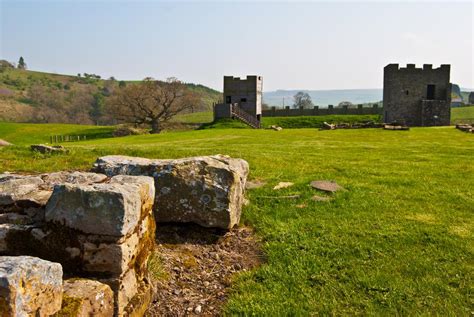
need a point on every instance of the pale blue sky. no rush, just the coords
(294, 45)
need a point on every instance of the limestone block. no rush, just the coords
(110, 257)
(113, 208)
(125, 288)
(29, 286)
(20, 189)
(207, 190)
(83, 178)
(30, 190)
(84, 298)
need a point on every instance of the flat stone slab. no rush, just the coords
(282, 185)
(326, 186)
(30, 286)
(112, 208)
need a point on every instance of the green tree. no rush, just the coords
(21, 63)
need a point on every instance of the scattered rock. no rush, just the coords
(282, 185)
(255, 184)
(465, 127)
(83, 297)
(4, 143)
(206, 190)
(42, 148)
(395, 127)
(328, 126)
(326, 186)
(29, 286)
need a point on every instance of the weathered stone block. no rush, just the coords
(84, 298)
(207, 190)
(113, 208)
(29, 286)
(23, 189)
(110, 257)
(125, 288)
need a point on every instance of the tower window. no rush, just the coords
(430, 92)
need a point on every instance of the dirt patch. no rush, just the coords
(196, 267)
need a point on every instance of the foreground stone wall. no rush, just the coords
(94, 228)
(77, 244)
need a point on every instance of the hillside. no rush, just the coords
(20, 91)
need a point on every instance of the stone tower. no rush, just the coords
(417, 96)
(245, 93)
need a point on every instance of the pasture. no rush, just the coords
(397, 241)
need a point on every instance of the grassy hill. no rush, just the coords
(16, 88)
(398, 241)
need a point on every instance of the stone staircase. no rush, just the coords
(245, 117)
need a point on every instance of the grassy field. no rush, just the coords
(462, 115)
(398, 241)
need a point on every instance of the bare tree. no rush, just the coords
(302, 99)
(151, 102)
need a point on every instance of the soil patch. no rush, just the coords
(197, 267)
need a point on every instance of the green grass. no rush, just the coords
(33, 133)
(462, 115)
(398, 241)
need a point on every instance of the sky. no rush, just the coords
(310, 45)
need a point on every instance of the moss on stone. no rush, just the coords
(70, 307)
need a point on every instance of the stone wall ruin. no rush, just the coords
(90, 235)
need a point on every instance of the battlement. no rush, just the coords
(445, 68)
(248, 78)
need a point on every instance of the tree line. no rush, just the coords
(148, 103)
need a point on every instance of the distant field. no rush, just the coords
(31, 133)
(462, 115)
(397, 242)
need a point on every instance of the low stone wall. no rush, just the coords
(93, 226)
(316, 111)
(88, 236)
